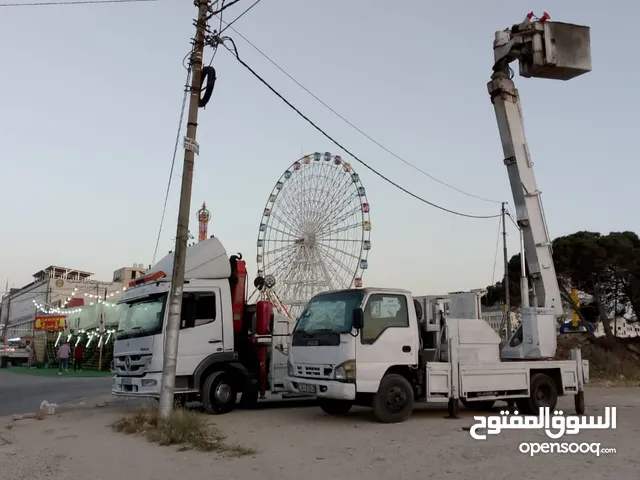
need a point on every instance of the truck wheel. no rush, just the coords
(478, 406)
(543, 394)
(393, 403)
(218, 393)
(335, 407)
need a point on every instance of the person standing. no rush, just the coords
(78, 353)
(63, 357)
(32, 355)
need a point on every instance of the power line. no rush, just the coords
(237, 18)
(335, 142)
(223, 7)
(512, 220)
(72, 2)
(173, 161)
(344, 119)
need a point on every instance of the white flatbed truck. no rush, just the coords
(371, 347)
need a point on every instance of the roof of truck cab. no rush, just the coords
(368, 290)
(207, 259)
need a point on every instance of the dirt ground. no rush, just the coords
(294, 443)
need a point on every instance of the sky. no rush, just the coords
(92, 95)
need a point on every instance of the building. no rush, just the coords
(621, 328)
(62, 290)
(126, 274)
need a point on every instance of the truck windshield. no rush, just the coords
(142, 317)
(329, 312)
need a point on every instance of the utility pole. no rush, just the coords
(182, 234)
(507, 301)
(615, 309)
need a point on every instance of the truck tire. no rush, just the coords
(219, 394)
(478, 406)
(393, 403)
(335, 407)
(543, 393)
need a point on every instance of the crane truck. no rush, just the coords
(373, 347)
(226, 346)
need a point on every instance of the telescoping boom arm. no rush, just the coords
(543, 49)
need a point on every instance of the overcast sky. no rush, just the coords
(91, 97)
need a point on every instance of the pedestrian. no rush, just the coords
(32, 355)
(63, 357)
(78, 353)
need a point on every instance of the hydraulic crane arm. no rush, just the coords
(543, 49)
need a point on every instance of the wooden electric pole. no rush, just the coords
(507, 300)
(182, 235)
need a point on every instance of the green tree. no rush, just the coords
(606, 267)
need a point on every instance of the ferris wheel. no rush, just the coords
(314, 232)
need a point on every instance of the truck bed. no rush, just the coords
(501, 380)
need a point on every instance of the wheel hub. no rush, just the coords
(307, 239)
(223, 393)
(543, 396)
(396, 399)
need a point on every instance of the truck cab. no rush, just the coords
(325, 351)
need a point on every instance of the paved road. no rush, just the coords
(24, 393)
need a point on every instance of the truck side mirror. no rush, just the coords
(358, 318)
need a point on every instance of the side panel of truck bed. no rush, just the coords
(438, 381)
(493, 378)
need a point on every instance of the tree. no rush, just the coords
(495, 293)
(606, 267)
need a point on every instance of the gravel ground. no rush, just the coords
(303, 442)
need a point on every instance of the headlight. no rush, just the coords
(290, 370)
(345, 372)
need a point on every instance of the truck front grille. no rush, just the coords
(314, 371)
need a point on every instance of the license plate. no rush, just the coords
(306, 388)
(126, 381)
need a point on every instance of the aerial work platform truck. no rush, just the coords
(374, 347)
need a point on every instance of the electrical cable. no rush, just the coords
(72, 2)
(335, 142)
(238, 17)
(512, 220)
(215, 45)
(187, 89)
(352, 125)
(222, 8)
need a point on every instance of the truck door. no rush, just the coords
(200, 328)
(279, 351)
(386, 339)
